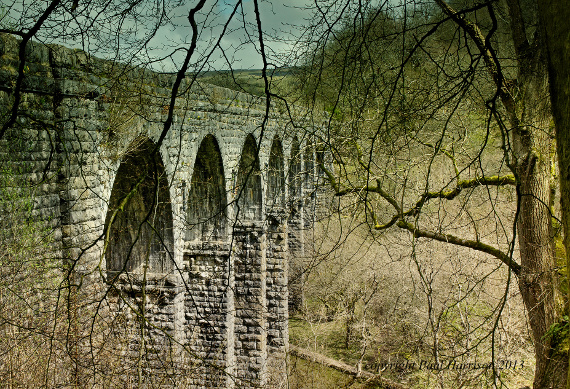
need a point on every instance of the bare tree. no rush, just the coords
(421, 96)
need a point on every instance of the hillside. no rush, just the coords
(251, 80)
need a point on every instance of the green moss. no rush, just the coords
(559, 335)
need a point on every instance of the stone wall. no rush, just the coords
(176, 258)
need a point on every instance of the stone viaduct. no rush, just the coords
(176, 248)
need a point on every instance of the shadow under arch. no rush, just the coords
(207, 200)
(276, 176)
(141, 232)
(309, 160)
(248, 188)
(294, 180)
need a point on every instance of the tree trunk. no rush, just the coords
(536, 280)
(532, 164)
(554, 16)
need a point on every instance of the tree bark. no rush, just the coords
(534, 226)
(554, 16)
(532, 149)
(528, 109)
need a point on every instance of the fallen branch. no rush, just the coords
(370, 378)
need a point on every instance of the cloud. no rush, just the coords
(158, 33)
(240, 46)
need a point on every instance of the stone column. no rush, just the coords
(206, 303)
(277, 297)
(249, 252)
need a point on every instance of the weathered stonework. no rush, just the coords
(184, 281)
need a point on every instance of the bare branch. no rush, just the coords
(472, 244)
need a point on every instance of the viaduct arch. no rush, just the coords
(181, 241)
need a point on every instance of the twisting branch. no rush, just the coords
(181, 73)
(443, 194)
(478, 38)
(372, 189)
(263, 72)
(491, 62)
(472, 244)
(451, 194)
(509, 179)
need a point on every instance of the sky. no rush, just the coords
(283, 23)
(101, 26)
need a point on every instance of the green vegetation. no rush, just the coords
(438, 127)
(364, 307)
(305, 374)
(251, 81)
(29, 280)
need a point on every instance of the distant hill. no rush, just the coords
(251, 80)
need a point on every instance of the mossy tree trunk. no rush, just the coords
(530, 118)
(554, 16)
(537, 279)
(528, 150)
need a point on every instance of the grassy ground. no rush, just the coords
(326, 338)
(308, 375)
